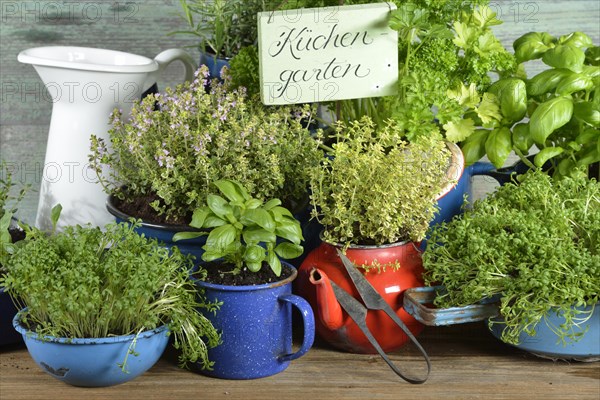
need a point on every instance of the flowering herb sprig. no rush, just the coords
(176, 144)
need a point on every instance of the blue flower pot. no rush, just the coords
(94, 362)
(214, 64)
(451, 203)
(545, 343)
(163, 233)
(256, 327)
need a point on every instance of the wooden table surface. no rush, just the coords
(467, 363)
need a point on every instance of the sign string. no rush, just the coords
(338, 103)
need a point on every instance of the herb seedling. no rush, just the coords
(244, 231)
(537, 244)
(88, 283)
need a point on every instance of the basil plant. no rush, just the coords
(244, 231)
(557, 111)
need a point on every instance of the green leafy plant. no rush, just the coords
(557, 111)
(245, 70)
(222, 26)
(244, 231)
(535, 243)
(8, 207)
(173, 154)
(375, 188)
(88, 283)
(443, 46)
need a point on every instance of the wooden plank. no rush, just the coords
(468, 363)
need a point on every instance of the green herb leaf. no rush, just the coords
(272, 203)
(281, 213)
(577, 39)
(521, 137)
(253, 203)
(219, 206)
(232, 191)
(474, 147)
(565, 56)
(589, 154)
(498, 146)
(55, 215)
(257, 235)
(575, 82)
(546, 81)
(199, 217)
(532, 45)
(550, 116)
(221, 236)
(512, 96)
(254, 254)
(488, 111)
(457, 131)
(289, 229)
(274, 263)
(592, 55)
(546, 154)
(587, 112)
(187, 235)
(289, 250)
(254, 266)
(260, 217)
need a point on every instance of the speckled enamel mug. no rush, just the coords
(256, 328)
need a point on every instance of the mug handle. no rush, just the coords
(308, 320)
(167, 57)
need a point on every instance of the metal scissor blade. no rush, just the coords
(367, 292)
(374, 301)
(353, 307)
(358, 312)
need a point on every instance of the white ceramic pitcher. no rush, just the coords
(86, 85)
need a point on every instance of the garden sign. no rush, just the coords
(329, 53)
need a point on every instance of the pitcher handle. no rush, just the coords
(168, 56)
(163, 60)
(308, 320)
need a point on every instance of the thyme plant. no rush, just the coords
(197, 137)
(86, 283)
(536, 243)
(376, 188)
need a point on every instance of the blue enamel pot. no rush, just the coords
(94, 362)
(256, 328)
(545, 342)
(214, 64)
(451, 203)
(163, 233)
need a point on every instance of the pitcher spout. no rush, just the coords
(329, 310)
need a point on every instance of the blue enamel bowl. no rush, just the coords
(94, 362)
(545, 342)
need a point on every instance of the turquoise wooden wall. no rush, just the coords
(141, 27)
